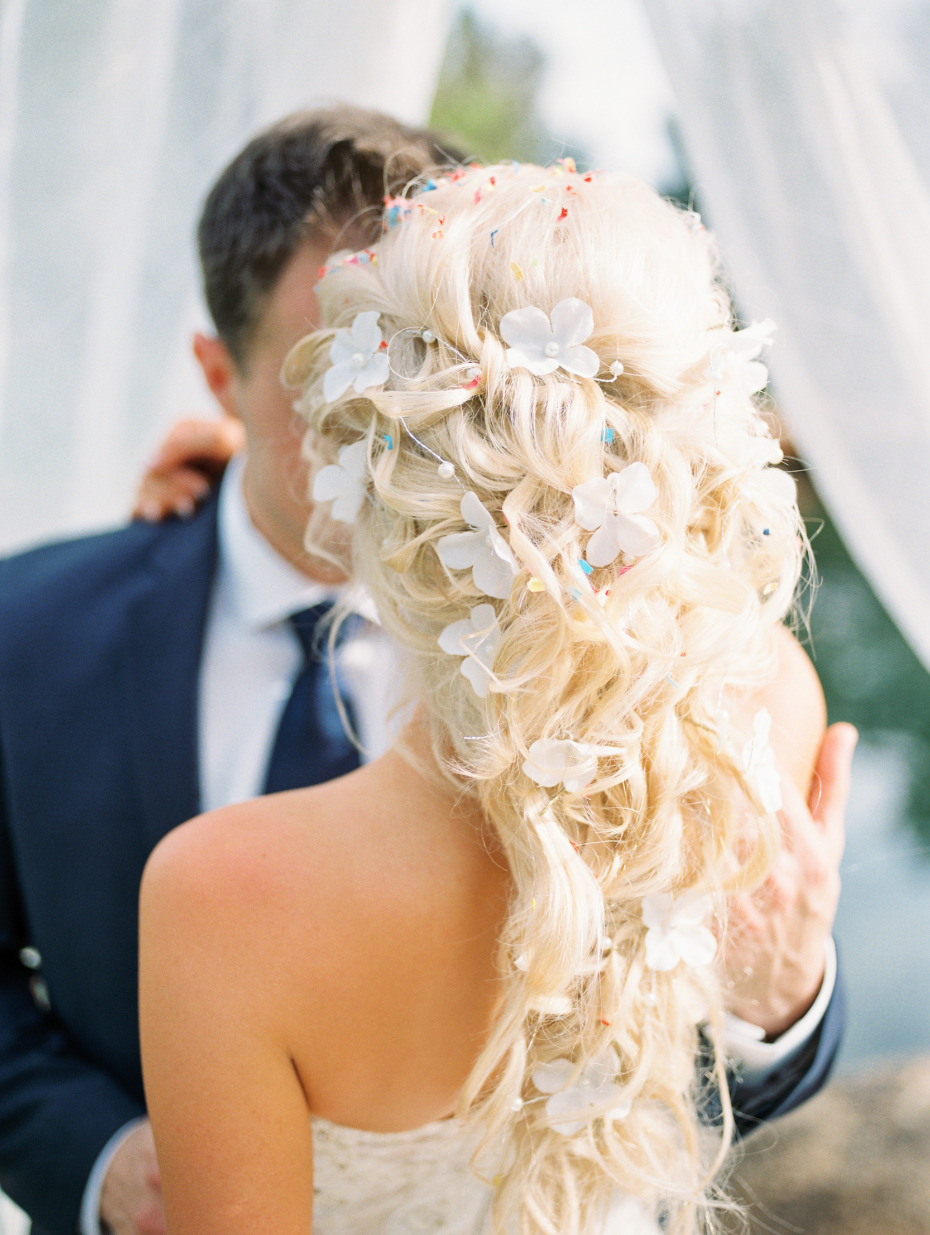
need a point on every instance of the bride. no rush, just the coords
(464, 988)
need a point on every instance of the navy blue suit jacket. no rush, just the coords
(100, 646)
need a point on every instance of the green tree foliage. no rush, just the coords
(870, 675)
(486, 100)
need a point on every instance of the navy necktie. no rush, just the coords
(311, 745)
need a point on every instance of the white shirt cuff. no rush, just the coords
(756, 1059)
(90, 1203)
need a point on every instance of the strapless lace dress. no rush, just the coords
(415, 1183)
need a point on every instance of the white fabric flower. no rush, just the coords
(611, 506)
(543, 346)
(477, 638)
(343, 483)
(554, 761)
(759, 763)
(676, 930)
(738, 356)
(594, 1094)
(358, 358)
(493, 566)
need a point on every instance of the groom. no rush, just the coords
(154, 672)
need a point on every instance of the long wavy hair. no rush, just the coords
(635, 658)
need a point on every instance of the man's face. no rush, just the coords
(275, 480)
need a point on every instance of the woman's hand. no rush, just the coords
(775, 947)
(186, 467)
(130, 1200)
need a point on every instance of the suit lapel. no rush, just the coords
(162, 665)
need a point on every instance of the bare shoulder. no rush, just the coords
(218, 856)
(344, 857)
(254, 860)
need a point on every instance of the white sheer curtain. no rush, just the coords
(807, 128)
(114, 118)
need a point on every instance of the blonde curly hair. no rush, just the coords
(634, 657)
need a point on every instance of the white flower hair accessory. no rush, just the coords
(542, 346)
(612, 507)
(676, 931)
(477, 638)
(343, 483)
(739, 356)
(493, 565)
(595, 1093)
(759, 763)
(359, 358)
(555, 761)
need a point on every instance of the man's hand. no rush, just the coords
(186, 466)
(130, 1200)
(774, 951)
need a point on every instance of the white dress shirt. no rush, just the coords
(251, 657)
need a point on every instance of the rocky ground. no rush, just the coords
(853, 1161)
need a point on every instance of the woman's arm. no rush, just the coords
(231, 1122)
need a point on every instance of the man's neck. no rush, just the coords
(278, 524)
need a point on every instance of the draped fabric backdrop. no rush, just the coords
(806, 124)
(115, 117)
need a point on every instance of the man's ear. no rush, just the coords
(218, 368)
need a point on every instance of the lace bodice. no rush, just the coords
(415, 1183)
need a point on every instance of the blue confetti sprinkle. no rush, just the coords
(575, 594)
(389, 440)
(430, 184)
(493, 234)
(607, 435)
(586, 566)
(766, 531)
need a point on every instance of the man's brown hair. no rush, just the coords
(312, 173)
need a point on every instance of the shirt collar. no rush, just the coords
(263, 586)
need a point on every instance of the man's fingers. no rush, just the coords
(216, 439)
(175, 494)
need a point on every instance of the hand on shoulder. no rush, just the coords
(186, 466)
